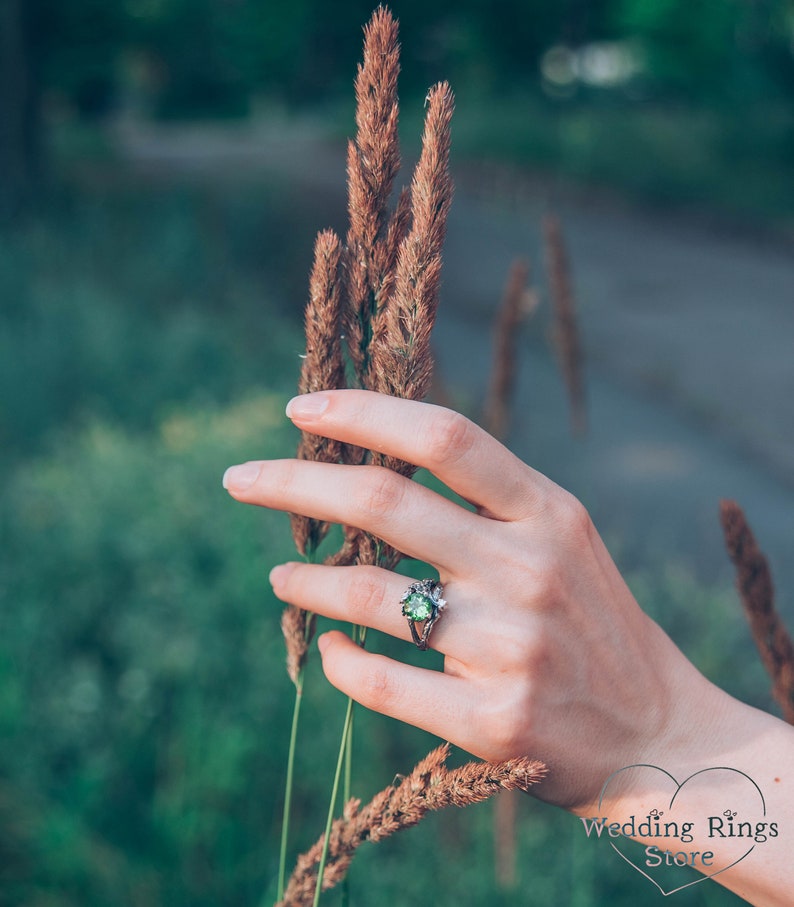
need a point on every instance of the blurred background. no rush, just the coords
(164, 167)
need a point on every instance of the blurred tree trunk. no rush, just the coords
(19, 109)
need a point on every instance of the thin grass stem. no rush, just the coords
(347, 785)
(311, 557)
(332, 805)
(348, 779)
(282, 861)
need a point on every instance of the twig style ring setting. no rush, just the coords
(422, 603)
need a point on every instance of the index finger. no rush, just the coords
(464, 456)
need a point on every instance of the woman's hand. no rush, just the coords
(546, 651)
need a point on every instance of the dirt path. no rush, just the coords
(689, 337)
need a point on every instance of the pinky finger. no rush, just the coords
(427, 699)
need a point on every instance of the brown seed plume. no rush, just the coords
(518, 303)
(754, 582)
(323, 367)
(372, 164)
(381, 289)
(373, 238)
(566, 330)
(429, 787)
(401, 362)
(297, 626)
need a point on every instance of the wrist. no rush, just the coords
(713, 792)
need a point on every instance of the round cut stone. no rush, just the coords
(418, 606)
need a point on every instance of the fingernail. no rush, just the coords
(279, 574)
(307, 406)
(322, 642)
(238, 478)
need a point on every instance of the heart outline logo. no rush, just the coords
(679, 787)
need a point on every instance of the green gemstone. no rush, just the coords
(418, 606)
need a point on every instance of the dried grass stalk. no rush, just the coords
(323, 367)
(440, 392)
(401, 363)
(372, 164)
(373, 239)
(566, 330)
(391, 270)
(518, 303)
(754, 582)
(297, 626)
(350, 288)
(429, 787)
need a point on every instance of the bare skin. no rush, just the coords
(571, 671)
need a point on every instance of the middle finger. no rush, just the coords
(411, 518)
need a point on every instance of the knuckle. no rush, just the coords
(506, 727)
(537, 577)
(538, 665)
(376, 690)
(505, 742)
(551, 580)
(574, 519)
(284, 474)
(381, 494)
(367, 592)
(452, 436)
(517, 653)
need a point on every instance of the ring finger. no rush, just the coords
(369, 596)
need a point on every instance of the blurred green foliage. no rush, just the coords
(731, 51)
(120, 303)
(131, 652)
(670, 101)
(210, 56)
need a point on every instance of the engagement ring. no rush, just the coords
(422, 604)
